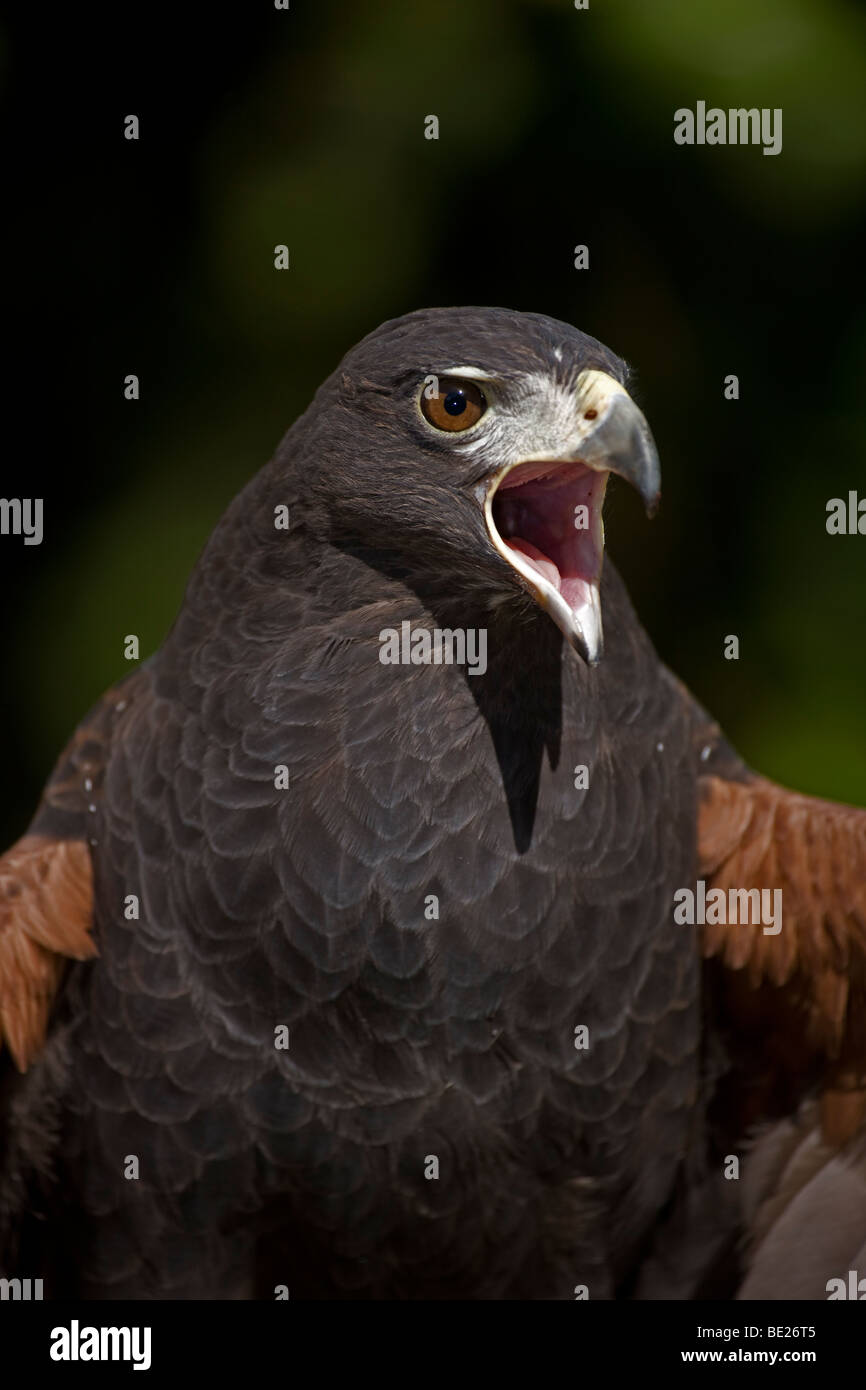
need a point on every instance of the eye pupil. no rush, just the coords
(455, 403)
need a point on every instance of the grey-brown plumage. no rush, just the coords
(432, 908)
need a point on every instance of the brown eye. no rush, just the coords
(457, 405)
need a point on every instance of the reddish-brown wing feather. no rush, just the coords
(46, 879)
(46, 912)
(754, 834)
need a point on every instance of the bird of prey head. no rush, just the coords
(505, 426)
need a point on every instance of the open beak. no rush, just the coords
(544, 517)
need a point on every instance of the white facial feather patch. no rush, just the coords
(537, 417)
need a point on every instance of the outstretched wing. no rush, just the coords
(791, 1007)
(753, 833)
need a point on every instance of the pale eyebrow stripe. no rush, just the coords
(471, 373)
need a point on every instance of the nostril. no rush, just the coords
(590, 414)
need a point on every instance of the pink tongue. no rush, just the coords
(537, 559)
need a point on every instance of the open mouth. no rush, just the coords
(545, 519)
(543, 515)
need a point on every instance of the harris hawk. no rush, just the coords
(359, 975)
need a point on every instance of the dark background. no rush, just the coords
(306, 127)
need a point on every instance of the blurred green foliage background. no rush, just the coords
(556, 128)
